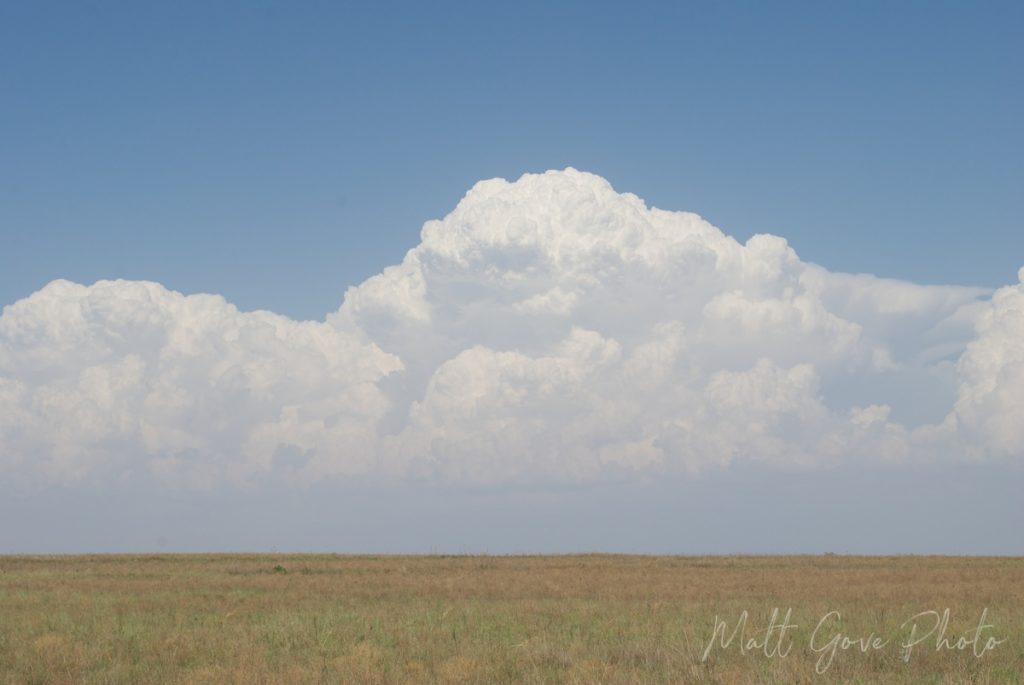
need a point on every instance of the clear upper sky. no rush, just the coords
(277, 153)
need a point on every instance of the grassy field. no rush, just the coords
(546, 619)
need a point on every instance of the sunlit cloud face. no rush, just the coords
(546, 329)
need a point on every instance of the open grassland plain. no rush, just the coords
(519, 619)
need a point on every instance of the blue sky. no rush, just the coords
(280, 152)
(550, 366)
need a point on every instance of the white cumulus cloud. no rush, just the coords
(548, 328)
(990, 407)
(105, 376)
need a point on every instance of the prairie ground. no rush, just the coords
(520, 619)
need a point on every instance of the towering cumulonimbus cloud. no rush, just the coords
(549, 328)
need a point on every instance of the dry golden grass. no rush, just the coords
(550, 619)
